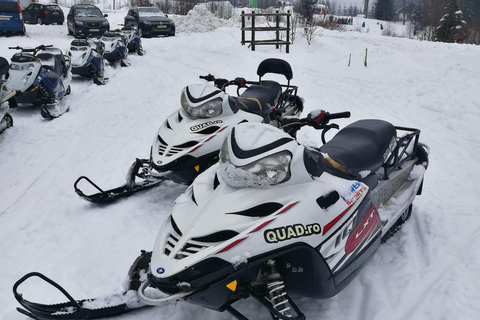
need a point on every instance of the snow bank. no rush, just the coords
(200, 19)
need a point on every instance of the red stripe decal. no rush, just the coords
(287, 207)
(232, 245)
(332, 223)
(209, 138)
(261, 226)
(195, 148)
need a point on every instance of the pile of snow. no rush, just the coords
(200, 19)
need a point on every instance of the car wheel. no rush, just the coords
(39, 21)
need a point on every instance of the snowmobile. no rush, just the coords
(87, 59)
(188, 141)
(41, 77)
(290, 220)
(6, 120)
(115, 48)
(134, 43)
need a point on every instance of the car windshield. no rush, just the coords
(88, 12)
(150, 11)
(52, 8)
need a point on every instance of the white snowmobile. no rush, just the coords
(41, 77)
(289, 219)
(6, 120)
(188, 141)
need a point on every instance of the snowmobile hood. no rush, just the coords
(80, 55)
(180, 135)
(111, 43)
(212, 219)
(22, 75)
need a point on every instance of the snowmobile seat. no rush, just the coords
(361, 147)
(259, 98)
(3, 66)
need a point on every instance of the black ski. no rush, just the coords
(110, 306)
(129, 188)
(106, 196)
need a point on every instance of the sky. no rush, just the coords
(428, 270)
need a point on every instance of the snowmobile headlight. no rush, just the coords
(14, 66)
(263, 173)
(209, 109)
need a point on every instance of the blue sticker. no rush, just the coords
(159, 162)
(160, 270)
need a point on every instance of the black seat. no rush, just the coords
(3, 66)
(362, 146)
(258, 98)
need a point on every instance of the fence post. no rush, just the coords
(288, 31)
(253, 30)
(277, 25)
(243, 28)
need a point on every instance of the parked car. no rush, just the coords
(86, 20)
(11, 18)
(150, 21)
(43, 14)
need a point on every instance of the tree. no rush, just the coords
(384, 10)
(306, 8)
(452, 26)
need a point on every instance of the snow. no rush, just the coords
(429, 270)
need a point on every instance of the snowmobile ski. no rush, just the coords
(51, 113)
(109, 306)
(129, 188)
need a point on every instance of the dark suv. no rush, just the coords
(86, 20)
(43, 14)
(11, 18)
(150, 21)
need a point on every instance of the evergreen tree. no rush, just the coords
(452, 26)
(307, 10)
(383, 10)
(417, 16)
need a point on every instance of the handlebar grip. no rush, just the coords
(338, 115)
(209, 77)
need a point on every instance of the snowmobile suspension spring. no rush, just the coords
(277, 294)
(45, 96)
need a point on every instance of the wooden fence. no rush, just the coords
(278, 28)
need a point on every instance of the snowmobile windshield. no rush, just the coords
(210, 109)
(78, 48)
(22, 67)
(263, 173)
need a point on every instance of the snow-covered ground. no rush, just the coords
(429, 270)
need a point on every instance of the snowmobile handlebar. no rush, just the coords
(222, 83)
(318, 119)
(34, 50)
